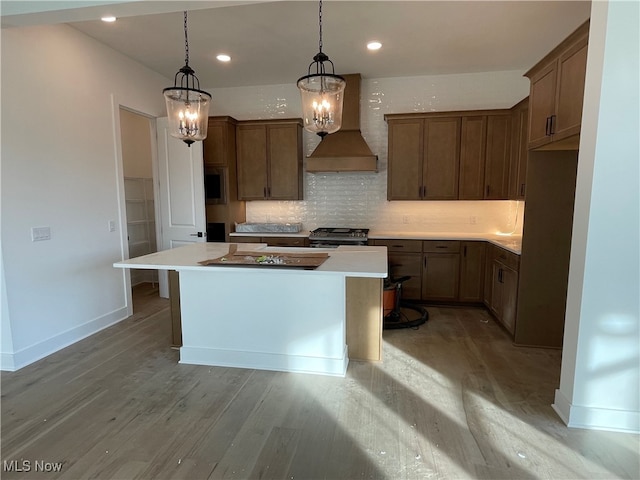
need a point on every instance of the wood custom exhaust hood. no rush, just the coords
(345, 150)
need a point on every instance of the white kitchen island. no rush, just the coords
(275, 318)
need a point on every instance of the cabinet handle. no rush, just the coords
(397, 246)
(500, 276)
(425, 262)
(464, 250)
(441, 246)
(268, 192)
(488, 190)
(552, 125)
(546, 127)
(522, 189)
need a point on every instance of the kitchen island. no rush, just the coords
(277, 318)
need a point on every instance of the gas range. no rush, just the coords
(329, 237)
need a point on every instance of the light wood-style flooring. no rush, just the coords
(452, 399)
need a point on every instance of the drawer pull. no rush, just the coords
(397, 246)
(441, 246)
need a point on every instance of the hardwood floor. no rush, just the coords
(452, 399)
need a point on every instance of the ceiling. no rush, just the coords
(274, 42)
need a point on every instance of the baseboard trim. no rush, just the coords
(593, 418)
(20, 359)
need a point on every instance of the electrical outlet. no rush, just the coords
(112, 225)
(405, 219)
(472, 219)
(40, 233)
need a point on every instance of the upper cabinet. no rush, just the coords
(519, 149)
(449, 155)
(557, 93)
(269, 155)
(424, 155)
(219, 148)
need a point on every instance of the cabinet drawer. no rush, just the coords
(507, 258)
(285, 241)
(407, 264)
(414, 246)
(244, 239)
(441, 246)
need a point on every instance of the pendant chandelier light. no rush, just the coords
(322, 94)
(187, 105)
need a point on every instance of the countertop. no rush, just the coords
(512, 243)
(347, 261)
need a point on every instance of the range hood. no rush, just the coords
(345, 150)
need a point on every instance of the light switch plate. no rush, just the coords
(40, 233)
(112, 225)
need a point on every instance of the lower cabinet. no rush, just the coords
(440, 270)
(405, 260)
(272, 241)
(502, 300)
(472, 268)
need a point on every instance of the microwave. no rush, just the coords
(215, 180)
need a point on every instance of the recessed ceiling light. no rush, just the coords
(108, 19)
(374, 45)
(223, 57)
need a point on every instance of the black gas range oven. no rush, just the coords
(332, 237)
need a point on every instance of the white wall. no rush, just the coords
(359, 200)
(59, 169)
(600, 379)
(136, 144)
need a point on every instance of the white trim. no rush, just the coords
(265, 361)
(33, 353)
(593, 418)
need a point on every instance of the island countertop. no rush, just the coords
(348, 261)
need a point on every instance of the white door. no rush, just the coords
(181, 194)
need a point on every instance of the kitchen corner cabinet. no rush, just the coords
(503, 294)
(472, 264)
(269, 156)
(519, 150)
(424, 157)
(440, 270)
(557, 92)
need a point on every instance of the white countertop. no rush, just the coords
(348, 261)
(512, 243)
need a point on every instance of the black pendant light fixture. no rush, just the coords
(187, 105)
(322, 94)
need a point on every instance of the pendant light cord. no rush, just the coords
(186, 41)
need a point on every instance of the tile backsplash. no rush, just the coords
(359, 199)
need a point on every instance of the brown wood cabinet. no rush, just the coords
(219, 152)
(283, 241)
(503, 278)
(219, 148)
(472, 264)
(405, 259)
(519, 150)
(473, 145)
(440, 270)
(498, 157)
(557, 92)
(424, 157)
(269, 159)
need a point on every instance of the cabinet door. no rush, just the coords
(519, 151)
(286, 241)
(440, 274)
(285, 162)
(404, 176)
(472, 157)
(542, 99)
(498, 157)
(572, 68)
(217, 146)
(495, 304)
(509, 298)
(441, 158)
(252, 162)
(472, 258)
(488, 275)
(407, 264)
